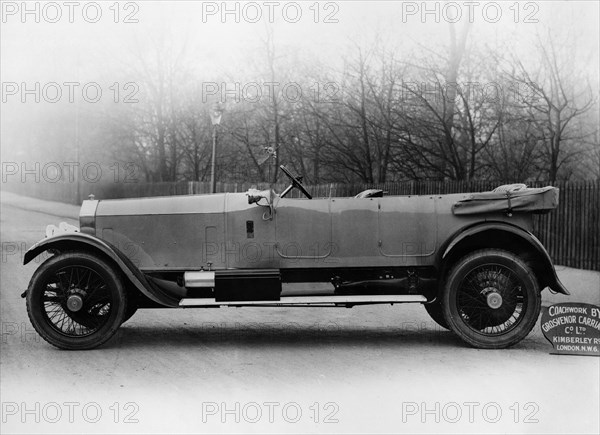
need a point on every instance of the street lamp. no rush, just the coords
(215, 118)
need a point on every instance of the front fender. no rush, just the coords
(549, 278)
(74, 241)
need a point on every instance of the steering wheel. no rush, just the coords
(295, 183)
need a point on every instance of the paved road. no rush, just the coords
(369, 369)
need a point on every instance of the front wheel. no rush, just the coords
(76, 301)
(491, 299)
(131, 309)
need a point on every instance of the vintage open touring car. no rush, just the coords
(470, 259)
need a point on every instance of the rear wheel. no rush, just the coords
(491, 299)
(435, 312)
(76, 301)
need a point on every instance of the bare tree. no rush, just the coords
(552, 102)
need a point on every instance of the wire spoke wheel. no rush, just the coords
(76, 301)
(491, 299)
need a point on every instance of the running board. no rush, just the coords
(308, 301)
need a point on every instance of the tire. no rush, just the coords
(491, 299)
(436, 313)
(76, 301)
(131, 309)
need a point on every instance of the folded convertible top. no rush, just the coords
(509, 199)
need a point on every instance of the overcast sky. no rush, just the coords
(50, 51)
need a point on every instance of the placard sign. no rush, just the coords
(572, 328)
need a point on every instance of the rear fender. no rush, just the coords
(546, 274)
(81, 241)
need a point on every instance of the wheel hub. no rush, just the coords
(494, 300)
(74, 302)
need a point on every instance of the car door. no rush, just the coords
(407, 226)
(303, 231)
(355, 232)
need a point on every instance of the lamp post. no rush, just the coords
(215, 118)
